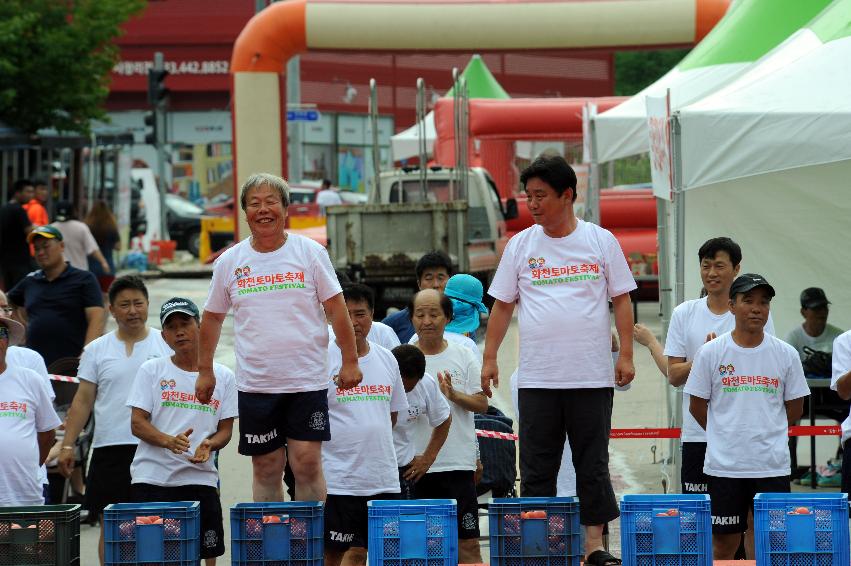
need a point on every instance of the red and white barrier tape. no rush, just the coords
(801, 430)
(64, 378)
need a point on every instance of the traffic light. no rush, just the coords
(157, 91)
(151, 121)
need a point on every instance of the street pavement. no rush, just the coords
(636, 465)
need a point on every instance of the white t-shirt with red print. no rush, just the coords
(746, 426)
(360, 458)
(841, 366)
(465, 370)
(427, 409)
(691, 322)
(168, 394)
(562, 287)
(281, 335)
(25, 410)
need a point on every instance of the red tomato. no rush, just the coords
(271, 519)
(662, 515)
(534, 515)
(673, 512)
(802, 511)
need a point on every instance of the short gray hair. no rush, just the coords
(272, 181)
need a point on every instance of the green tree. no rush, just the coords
(635, 70)
(55, 60)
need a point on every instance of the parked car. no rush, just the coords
(183, 218)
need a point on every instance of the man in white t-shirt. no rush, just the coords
(359, 462)
(27, 424)
(693, 323)
(452, 474)
(746, 388)
(814, 333)
(178, 435)
(562, 272)
(327, 197)
(106, 373)
(841, 383)
(282, 290)
(427, 410)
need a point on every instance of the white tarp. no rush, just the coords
(406, 144)
(797, 114)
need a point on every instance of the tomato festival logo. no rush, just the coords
(13, 409)
(182, 400)
(727, 369)
(168, 384)
(746, 383)
(247, 283)
(565, 274)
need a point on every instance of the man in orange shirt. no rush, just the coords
(36, 211)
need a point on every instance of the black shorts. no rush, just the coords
(108, 480)
(732, 498)
(585, 417)
(459, 485)
(267, 420)
(210, 510)
(691, 471)
(408, 487)
(347, 520)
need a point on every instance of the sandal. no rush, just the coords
(602, 558)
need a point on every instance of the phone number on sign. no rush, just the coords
(130, 68)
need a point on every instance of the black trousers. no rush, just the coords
(585, 416)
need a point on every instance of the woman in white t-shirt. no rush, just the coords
(451, 476)
(281, 288)
(27, 425)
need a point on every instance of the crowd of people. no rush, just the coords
(350, 409)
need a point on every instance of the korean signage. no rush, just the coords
(658, 115)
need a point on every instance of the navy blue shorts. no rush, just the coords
(267, 420)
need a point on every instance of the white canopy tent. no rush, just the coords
(747, 32)
(406, 144)
(767, 161)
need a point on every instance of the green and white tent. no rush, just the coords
(767, 160)
(749, 30)
(480, 84)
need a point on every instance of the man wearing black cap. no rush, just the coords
(178, 434)
(746, 388)
(63, 305)
(814, 333)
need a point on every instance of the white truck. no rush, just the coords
(379, 243)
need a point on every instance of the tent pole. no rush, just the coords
(680, 235)
(666, 308)
(592, 198)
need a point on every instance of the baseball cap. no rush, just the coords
(64, 210)
(16, 330)
(178, 304)
(465, 292)
(50, 232)
(748, 281)
(813, 297)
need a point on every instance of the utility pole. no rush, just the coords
(158, 99)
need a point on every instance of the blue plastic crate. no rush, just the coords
(420, 532)
(652, 537)
(293, 533)
(785, 538)
(175, 541)
(550, 540)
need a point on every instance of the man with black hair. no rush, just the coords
(428, 417)
(15, 260)
(378, 332)
(814, 333)
(359, 462)
(562, 272)
(62, 305)
(433, 271)
(693, 323)
(35, 208)
(107, 369)
(745, 389)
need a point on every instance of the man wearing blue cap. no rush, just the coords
(466, 293)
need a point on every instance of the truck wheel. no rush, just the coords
(193, 243)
